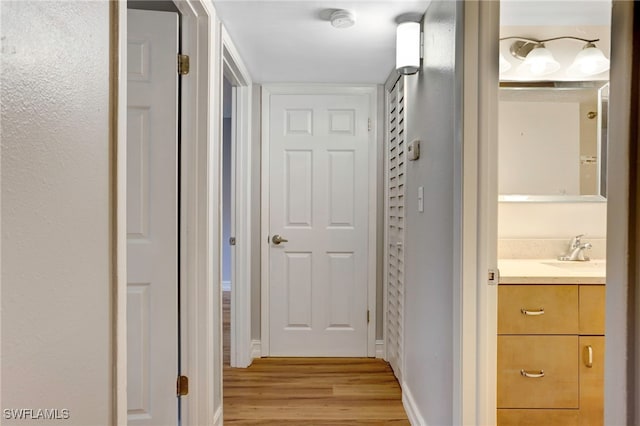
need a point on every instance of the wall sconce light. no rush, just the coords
(539, 61)
(408, 48)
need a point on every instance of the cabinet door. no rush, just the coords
(517, 417)
(538, 309)
(591, 380)
(592, 302)
(537, 372)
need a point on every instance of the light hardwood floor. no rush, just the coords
(310, 391)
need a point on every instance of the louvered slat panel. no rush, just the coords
(395, 223)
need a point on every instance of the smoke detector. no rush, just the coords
(342, 18)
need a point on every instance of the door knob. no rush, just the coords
(277, 239)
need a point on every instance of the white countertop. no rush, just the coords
(551, 271)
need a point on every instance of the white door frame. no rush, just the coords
(618, 380)
(118, 119)
(233, 68)
(388, 85)
(201, 317)
(320, 89)
(475, 305)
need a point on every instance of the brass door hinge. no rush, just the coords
(369, 125)
(182, 386)
(183, 64)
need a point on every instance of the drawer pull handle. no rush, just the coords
(536, 375)
(589, 356)
(532, 313)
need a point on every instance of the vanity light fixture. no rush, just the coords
(538, 59)
(408, 48)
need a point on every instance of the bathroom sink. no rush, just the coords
(591, 265)
(552, 271)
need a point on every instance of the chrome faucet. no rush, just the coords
(576, 250)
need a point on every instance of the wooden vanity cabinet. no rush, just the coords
(550, 354)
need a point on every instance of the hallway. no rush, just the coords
(318, 391)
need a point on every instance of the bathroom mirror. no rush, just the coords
(552, 141)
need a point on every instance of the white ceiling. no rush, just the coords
(293, 41)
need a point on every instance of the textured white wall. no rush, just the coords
(434, 117)
(55, 210)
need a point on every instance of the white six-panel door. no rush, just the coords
(395, 222)
(319, 192)
(152, 218)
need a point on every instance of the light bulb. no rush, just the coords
(589, 61)
(504, 64)
(408, 48)
(540, 62)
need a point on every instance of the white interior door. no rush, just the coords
(318, 190)
(152, 218)
(396, 167)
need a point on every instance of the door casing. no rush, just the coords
(233, 68)
(320, 89)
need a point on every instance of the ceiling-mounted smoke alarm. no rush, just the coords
(343, 18)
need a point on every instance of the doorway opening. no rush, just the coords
(235, 127)
(153, 213)
(150, 353)
(228, 210)
(552, 218)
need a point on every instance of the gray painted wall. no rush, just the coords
(433, 116)
(380, 218)
(56, 225)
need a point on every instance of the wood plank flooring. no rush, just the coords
(311, 391)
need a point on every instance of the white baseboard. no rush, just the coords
(256, 349)
(413, 413)
(226, 285)
(217, 417)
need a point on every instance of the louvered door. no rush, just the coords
(396, 158)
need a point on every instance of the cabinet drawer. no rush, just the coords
(592, 305)
(538, 309)
(555, 356)
(515, 417)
